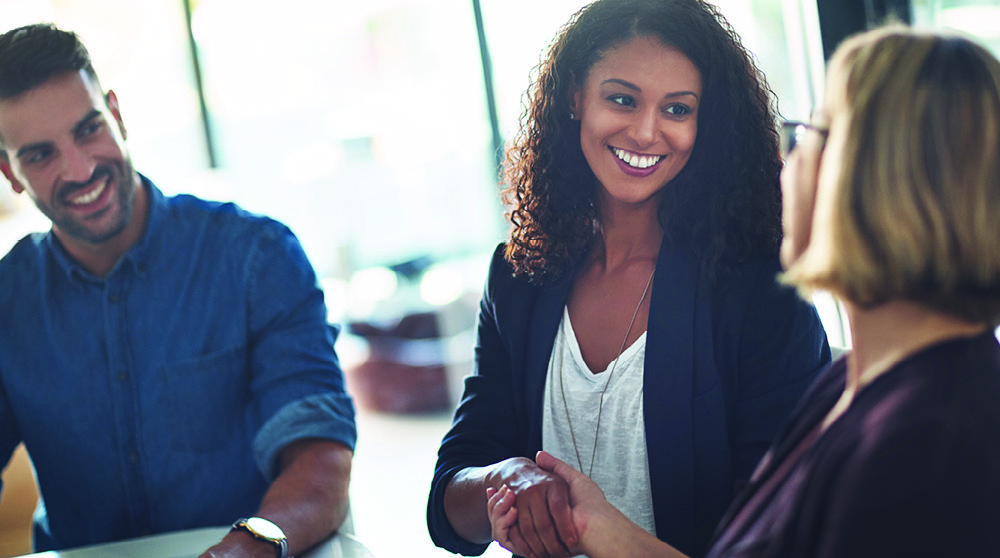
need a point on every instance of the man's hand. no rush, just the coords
(240, 544)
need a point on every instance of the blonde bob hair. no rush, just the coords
(908, 200)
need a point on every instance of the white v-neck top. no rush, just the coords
(621, 466)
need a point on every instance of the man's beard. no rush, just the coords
(122, 189)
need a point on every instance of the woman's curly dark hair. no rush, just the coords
(725, 203)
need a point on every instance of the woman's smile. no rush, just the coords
(638, 112)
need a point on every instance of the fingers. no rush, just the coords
(517, 543)
(536, 521)
(499, 502)
(503, 520)
(537, 528)
(562, 517)
(543, 524)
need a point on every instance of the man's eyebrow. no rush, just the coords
(635, 87)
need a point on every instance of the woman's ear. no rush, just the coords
(575, 102)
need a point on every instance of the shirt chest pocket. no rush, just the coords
(205, 401)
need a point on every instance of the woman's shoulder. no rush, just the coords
(913, 467)
(940, 401)
(952, 381)
(501, 274)
(504, 280)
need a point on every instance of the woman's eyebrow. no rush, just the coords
(622, 82)
(636, 88)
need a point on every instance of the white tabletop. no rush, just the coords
(190, 544)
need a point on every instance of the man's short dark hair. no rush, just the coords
(32, 54)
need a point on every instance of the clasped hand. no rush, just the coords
(544, 515)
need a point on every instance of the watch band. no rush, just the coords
(265, 531)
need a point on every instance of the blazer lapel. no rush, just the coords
(667, 394)
(543, 324)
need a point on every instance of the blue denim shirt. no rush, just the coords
(159, 397)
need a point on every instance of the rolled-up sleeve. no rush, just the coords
(326, 415)
(296, 379)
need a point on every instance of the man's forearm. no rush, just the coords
(308, 500)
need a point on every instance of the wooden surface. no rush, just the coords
(17, 503)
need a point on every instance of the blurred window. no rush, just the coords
(363, 126)
(978, 18)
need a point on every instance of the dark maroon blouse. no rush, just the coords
(911, 469)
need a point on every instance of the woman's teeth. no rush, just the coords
(637, 161)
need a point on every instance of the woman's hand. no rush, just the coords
(542, 526)
(503, 516)
(603, 531)
(586, 498)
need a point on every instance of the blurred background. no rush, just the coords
(374, 130)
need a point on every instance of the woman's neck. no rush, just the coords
(628, 234)
(885, 335)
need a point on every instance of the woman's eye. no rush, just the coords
(678, 110)
(623, 100)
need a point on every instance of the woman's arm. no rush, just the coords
(487, 442)
(604, 531)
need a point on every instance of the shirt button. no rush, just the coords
(113, 298)
(133, 458)
(122, 376)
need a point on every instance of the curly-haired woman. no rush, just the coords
(892, 199)
(632, 323)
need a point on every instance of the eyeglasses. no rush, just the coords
(792, 133)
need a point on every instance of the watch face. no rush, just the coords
(265, 528)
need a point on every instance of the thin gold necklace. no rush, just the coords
(600, 406)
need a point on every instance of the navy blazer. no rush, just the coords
(723, 370)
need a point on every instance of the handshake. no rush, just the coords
(551, 510)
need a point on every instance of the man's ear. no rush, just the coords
(9, 174)
(112, 101)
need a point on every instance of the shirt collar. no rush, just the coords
(137, 256)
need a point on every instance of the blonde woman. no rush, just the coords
(892, 202)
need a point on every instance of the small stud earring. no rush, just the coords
(572, 115)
